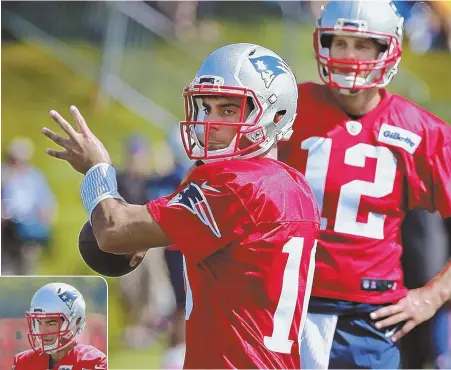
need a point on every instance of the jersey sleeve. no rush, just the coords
(93, 359)
(431, 187)
(203, 216)
(95, 364)
(441, 179)
(21, 360)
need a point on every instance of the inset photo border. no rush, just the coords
(34, 316)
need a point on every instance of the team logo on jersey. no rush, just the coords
(68, 297)
(269, 68)
(193, 199)
(399, 137)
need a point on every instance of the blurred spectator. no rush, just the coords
(443, 11)
(140, 288)
(427, 24)
(184, 15)
(163, 185)
(28, 210)
(136, 287)
(427, 248)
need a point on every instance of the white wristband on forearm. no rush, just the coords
(99, 184)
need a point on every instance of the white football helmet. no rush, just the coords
(59, 306)
(378, 20)
(262, 80)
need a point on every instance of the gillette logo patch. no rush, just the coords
(399, 137)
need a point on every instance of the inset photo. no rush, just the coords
(53, 323)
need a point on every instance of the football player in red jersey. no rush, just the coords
(245, 222)
(369, 156)
(56, 318)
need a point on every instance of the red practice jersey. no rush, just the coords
(366, 174)
(248, 230)
(80, 357)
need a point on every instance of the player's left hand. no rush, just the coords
(418, 306)
(82, 148)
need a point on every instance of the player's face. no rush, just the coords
(222, 109)
(49, 326)
(354, 48)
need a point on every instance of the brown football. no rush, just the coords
(106, 264)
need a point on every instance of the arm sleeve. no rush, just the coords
(98, 364)
(203, 216)
(431, 187)
(94, 360)
(442, 181)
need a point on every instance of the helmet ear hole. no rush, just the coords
(279, 115)
(250, 104)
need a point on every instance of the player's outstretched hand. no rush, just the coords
(82, 149)
(418, 306)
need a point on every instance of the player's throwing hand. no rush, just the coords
(82, 148)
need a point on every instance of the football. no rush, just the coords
(106, 264)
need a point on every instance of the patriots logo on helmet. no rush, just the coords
(193, 199)
(68, 298)
(269, 68)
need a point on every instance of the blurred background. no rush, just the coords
(125, 64)
(15, 298)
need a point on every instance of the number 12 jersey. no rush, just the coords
(366, 174)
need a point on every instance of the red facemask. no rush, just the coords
(195, 131)
(36, 338)
(380, 70)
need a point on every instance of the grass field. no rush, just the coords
(123, 358)
(33, 82)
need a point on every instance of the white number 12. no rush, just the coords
(319, 152)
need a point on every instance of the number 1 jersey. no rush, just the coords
(366, 174)
(247, 229)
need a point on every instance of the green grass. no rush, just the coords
(33, 82)
(123, 358)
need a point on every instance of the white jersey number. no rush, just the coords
(188, 293)
(319, 152)
(283, 317)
